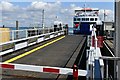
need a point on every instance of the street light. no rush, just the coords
(43, 20)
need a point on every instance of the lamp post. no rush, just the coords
(17, 28)
(43, 20)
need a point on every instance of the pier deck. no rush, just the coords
(62, 53)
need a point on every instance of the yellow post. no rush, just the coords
(4, 35)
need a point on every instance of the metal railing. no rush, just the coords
(94, 64)
(19, 34)
(13, 45)
(115, 59)
(95, 70)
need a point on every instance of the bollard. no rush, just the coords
(75, 72)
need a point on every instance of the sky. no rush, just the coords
(29, 13)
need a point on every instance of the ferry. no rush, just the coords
(83, 18)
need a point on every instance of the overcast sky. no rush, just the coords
(30, 13)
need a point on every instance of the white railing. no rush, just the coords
(29, 37)
(93, 55)
(19, 34)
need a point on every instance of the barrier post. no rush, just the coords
(75, 72)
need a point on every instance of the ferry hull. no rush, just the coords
(83, 29)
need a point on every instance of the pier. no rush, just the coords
(62, 53)
(50, 52)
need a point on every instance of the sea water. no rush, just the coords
(20, 28)
(70, 30)
(21, 34)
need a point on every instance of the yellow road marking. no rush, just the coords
(33, 50)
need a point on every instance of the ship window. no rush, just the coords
(78, 19)
(95, 19)
(74, 19)
(87, 19)
(83, 19)
(91, 19)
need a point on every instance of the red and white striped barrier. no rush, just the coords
(44, 69)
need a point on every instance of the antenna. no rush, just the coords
(85, 8)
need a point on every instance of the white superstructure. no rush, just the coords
(86, 15)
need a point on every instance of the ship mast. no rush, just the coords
(85, 8)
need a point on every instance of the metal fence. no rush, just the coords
(25, 33)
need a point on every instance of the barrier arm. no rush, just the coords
(45, 69)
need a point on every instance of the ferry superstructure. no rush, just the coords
(83, 18)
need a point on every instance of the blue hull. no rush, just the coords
(84, 29)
